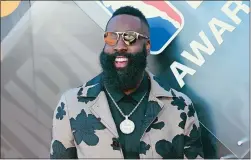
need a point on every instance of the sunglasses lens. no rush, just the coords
(110, 38)
(130, 37)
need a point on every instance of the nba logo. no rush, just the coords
(164, 19)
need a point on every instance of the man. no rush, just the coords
(125, 111)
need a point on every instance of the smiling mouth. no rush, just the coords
(120, 62)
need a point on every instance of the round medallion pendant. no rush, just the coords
(127, 126)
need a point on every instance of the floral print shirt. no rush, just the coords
(83, 126)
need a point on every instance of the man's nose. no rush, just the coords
(120, 46)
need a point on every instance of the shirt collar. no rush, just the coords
(116, 94)
(143, 88)
(159, 87)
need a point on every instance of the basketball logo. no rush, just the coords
(8, 7)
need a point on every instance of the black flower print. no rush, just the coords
(92, 93)
(174, 95)
(191, 110)
(156, 125)
(59, 151)
(60, 111)
(183, 116)
(171, 150)
(115, 144)
(84, 127)
(162, 83)
(152, 111)
(94, 88)
(193, 144)
(83, 99)
(193, 152)
(80, 91)
(178, 101)
(144, 147)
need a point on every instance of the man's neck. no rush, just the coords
(127, 92)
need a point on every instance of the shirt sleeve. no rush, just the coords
(193, 148)
(62, 143)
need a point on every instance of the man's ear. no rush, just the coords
(148, 46)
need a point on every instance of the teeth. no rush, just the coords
(121, 59)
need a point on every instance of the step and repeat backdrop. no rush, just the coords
(200, 48)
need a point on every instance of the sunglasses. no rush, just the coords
(129, 37)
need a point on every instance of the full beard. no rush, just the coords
(123, 78)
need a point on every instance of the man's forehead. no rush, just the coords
(124, 23)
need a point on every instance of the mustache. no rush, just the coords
(116, 54)
(107, 60)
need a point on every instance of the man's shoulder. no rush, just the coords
(84, 88)
(181, 95)
(162, 87)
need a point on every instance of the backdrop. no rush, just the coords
(49, 47)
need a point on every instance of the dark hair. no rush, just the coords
(129, 10)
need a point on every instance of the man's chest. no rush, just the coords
(156, 129)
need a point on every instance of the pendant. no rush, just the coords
(127, 126)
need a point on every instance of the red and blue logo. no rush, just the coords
(164, 19)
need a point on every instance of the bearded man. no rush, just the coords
(125, 111)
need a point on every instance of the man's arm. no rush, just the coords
(193, 146)
(62, 144)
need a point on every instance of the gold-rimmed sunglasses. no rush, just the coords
(129, 37)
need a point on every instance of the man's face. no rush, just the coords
(124, 64)
(123, 23)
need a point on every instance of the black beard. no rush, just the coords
(128, 77)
